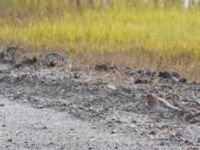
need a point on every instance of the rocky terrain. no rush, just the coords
(46, 104)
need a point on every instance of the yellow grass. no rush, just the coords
(150, 36)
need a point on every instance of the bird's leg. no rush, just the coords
(162, 115)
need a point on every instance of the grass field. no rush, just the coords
(121, 33)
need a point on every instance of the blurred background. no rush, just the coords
(158, 34)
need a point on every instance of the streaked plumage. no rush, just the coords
(159, 104)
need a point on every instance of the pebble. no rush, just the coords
(9, 140)
(112, 87)
(114, 131)
(2, 105)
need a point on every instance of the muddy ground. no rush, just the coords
(45, 103)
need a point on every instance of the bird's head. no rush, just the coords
(151, 99)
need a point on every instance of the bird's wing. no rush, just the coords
(167, 104)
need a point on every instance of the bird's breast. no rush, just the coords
(160, 108)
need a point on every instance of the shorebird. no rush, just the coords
(161, 105)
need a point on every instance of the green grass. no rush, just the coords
(169, 33)
(119, 26)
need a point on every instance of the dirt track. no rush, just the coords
(45, 106)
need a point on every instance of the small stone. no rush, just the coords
(29, 61)
(9, 140)
(188, 142)
(162, 143)
(54, 59)
(105, 67)
(164, 74)
(18, 65)
(178, 134)
(141, 81)
(112, 87)
(118, 121)
(183, 80)
(152, 132)
(134, 121)
(94, 127)
(97, 81)
(2, 105)
(51, 143)
(40, 107)
(76, 75)
(113, 131)
(45, 127)
(3, 125)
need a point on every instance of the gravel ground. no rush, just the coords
(45, 105)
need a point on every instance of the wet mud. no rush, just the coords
(44, 104)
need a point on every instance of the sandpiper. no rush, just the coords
(161, 105)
